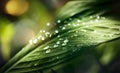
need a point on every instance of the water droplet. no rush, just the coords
(75, 35)
(39, 37)
(60, 39)
(47, 34)
(64, 44)
(40, 31)
(95, 31)
(35, 64)
(66, 40)
(98, 17)
(74, 25)
(77, 31)
(56, 31)
(58, 42)
(55, 46)
(42, 38)
(50, 35)
(78, 21)
(109, 35)
(58, 36)
(69, 24)
(57, 57)
(58, 21)
(63, 28)
(43, 30)
(48, 24)
(31, 42)
(35, 41)
(47, 47)
(48, 51)
(70, 19)
(84, 30)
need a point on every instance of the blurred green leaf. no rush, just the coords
(6, 34)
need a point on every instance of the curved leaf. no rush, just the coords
(72, 36)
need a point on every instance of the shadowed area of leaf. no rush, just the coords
(76, 34)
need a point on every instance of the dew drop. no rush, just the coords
(35, 64)
(75, 35)
(77, 31)
(47, 34)
(58, 36)
(50, 35)
(39, 37)
(42, 38)
(74, 25)
(66, 40)
(78, 21)
(40, 31)
(48, 51)
(44, 31)
(60, 39)
(58, 21)
(31, 42)
(56, 31)
(69, 24)
(47, 47)
(64, 44)
(58, 42)
(55, 46)
(57, 57)
(70, 19)
(95, 31)
(35, 41)
(84, 30)
(98, 17)
(63, 28)
(48, 24)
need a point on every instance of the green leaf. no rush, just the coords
(73, 36)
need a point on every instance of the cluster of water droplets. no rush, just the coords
(43, 35)
(61, 42)
(35, 41)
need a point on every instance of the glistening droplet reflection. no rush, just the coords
(35, 41)
(31, 42)
(48, 51)
(58, 21)
(47, 47)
